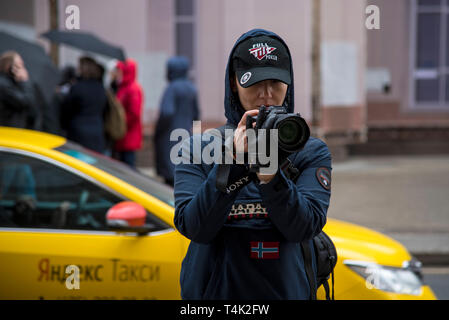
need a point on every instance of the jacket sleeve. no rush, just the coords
(133, 107)
(200, 208)
(68, 106)
(299, 210)
(168, 104)
(166, 111)
(19, 98)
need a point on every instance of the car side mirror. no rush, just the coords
(128, 216)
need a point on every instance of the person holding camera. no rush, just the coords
(17, 101)
(245, 238)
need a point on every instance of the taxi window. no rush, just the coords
(38, 194)
(121, 171)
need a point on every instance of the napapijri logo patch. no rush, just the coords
(324, 177)
(262, 50)
(247, 211)
(264, 250)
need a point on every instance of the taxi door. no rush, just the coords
(54, 242)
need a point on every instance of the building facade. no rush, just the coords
(383, 90)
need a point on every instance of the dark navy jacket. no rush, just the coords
(179, 107)
(226, 230)
(82, 114)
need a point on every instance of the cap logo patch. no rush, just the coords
(244, 79)
(262, 50)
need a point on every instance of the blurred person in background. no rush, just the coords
(83, 109)
(67, 80)
(114, 75)
(109, 140)
(178, 109)
(18, 106)
(130, 95)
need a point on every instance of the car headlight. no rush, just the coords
(405, 280)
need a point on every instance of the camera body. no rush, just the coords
(293, 132)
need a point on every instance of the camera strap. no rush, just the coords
(222, 177)
(290, 171)
(224, 170)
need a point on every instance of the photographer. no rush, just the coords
(246, 243)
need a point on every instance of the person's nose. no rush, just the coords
(266, 89)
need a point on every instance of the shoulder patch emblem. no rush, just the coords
(324, 177)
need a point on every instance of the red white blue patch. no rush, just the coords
(264, 250)
(324, 177)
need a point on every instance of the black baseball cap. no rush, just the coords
(261, 58)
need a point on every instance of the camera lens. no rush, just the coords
(289, 132)
(293, 132)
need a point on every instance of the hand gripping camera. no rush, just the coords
(292, 132)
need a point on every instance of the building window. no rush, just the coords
(185, 32)
(430, 53)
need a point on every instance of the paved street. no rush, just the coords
(404, 197)
(438, 280)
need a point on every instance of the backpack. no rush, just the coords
(114, 118)
(325, 251)
(326, 259)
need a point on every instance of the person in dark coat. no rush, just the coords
(17, 100)
(83, 109)
(52, 123)
(19, 109)
(178, 110)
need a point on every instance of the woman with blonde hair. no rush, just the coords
(17, 105)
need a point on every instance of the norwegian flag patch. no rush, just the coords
(264, 250)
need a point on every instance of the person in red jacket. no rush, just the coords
(130, 94)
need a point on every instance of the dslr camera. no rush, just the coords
(293, 133)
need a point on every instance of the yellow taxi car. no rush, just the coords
(56, 241)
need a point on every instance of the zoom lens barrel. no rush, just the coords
(293, 132)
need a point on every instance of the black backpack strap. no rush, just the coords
(326, 288)
(292, 173)
(333, 296)
(307, 253)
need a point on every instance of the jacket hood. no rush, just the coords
(129, 70)
(177, 67)
(233, 109)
